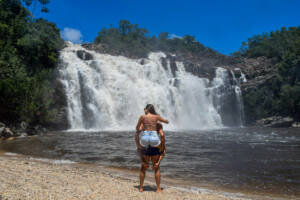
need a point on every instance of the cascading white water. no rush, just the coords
(238, 93)
(219, 87)
(110, 92)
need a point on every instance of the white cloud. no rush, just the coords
(72, 35)
(172, 36)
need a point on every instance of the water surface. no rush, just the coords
(259, 160)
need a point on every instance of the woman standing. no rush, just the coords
(149, 144)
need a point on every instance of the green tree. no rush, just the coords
(28, 54)
(34, 4)
(131, 40)
(283, 47)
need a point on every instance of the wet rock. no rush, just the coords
(173, 65)
(254, 75)
(7, 133)
(37, 127)
(31, 131)
(257, 72)
(142, 61)
(275, 121)
(44, 130)
(18, 133)
(176, 82)
(23, 125)
(23, 134)
(58, 119)
(1, 130)
(296, 125)
(83, 55)
(2, 124)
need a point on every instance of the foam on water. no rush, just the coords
(11, 154)
(53, 161)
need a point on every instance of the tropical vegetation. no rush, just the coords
(29, 50)
(281, 96)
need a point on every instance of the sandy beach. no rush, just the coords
(21, 177)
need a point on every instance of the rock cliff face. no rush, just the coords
(58, 119)
(257, 71)
(200, 64)
(260, 73)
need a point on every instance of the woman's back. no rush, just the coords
(150, 119)
(150, 122)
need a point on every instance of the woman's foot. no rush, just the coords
(158, 190)
(141, 189)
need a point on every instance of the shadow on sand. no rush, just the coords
(148, 188)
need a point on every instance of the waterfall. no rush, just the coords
(106, 92)
(238, 93)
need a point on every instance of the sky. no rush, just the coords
(219, 24)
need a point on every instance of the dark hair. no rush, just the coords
(151, 109)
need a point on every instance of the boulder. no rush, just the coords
(1, 130)
(44, 130)
(36, 130)
(275, 121)
(58, 116)
(141, 61)
(7, 133)
(23, 134)
(83, 55)
(23, 125)
(296, 125)
(2, 124)
(31, 131)
(37, 127)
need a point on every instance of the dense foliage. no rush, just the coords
(35, 3)
(135, 41)
(28, 54)
(281, 96)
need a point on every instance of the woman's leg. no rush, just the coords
(154, 160)
(145, 164)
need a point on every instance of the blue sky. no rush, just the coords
(221, 25)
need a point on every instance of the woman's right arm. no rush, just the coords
(163, 141)
(159, 118)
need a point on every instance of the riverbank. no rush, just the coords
(21, 177)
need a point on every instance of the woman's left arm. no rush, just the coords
(159, 118)
(140, 122)
(137, 139)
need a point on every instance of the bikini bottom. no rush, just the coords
(150, 151)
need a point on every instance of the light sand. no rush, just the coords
(24, 178)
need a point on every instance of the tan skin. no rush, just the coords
(155, 159)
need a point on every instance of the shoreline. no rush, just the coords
(39, 178)
(24, 178)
